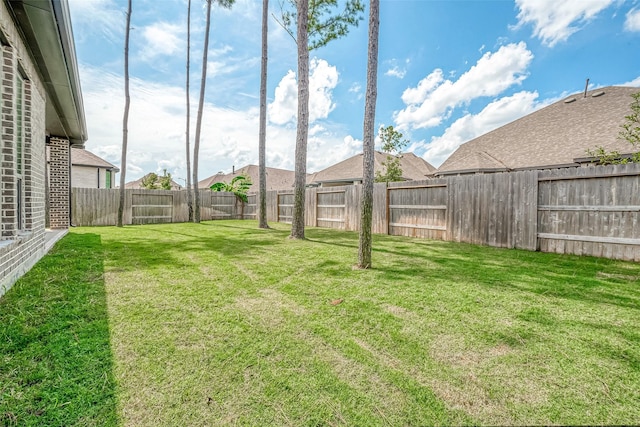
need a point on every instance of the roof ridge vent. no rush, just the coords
(597, 94)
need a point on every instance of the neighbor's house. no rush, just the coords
(41, 105)
(349, 171)
(137, 184)
(277, 179)
(91, 171)
(556, 136)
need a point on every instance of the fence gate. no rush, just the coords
(285, 207)
(151, 208)
(330, 209)
(418, 211)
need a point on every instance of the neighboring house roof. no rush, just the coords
(81, 157)
(277, 179)
(137, 184)
(350, 170)
(557, 135)
(46, 25)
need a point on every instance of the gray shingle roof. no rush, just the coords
(413, 168)
(277, 179)
(80, 157)
(553, 136)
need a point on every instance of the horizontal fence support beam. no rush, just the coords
(424, 207)
(331, 206)
(331, 192)
(570, 178)
(422, 227)
(285, 206)
(330, 219)
(151, 217)
(594, 208)
(594, 239)
(151, 206)
(411, 187)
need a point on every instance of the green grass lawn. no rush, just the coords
(221, 323)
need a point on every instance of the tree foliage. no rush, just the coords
(152, 181)
(323, 26)
(316, 24)
(393, 142)
(630, 132)
(239, 186)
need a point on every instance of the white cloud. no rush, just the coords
(162, 38)
(157, 131)
(97, 16)
(632, 21)
(356, 90)
(395, 70)
(283, 109)
(323, 78)
(555, 21)
(433, 99)
(494, 115)
(635, 82)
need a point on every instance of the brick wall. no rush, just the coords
(59, 183)
(20, 248)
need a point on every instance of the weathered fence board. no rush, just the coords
(583, 211)
(330, 208)
(418, 210)
(590, 211)
(285, 207)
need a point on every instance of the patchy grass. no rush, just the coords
(222, 323)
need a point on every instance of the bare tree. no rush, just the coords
(125, 120)
(188, 133)
(203, 81)
(316, 26)
(262, 204)
(364, 249)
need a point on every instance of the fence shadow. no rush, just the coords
(57, 365)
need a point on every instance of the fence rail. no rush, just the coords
(584, 211)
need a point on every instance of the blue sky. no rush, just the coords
(449, 71)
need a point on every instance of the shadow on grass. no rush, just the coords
(586, 279)
(56, 364)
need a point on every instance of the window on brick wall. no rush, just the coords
(19, 150)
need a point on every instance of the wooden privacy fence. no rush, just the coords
(584, 211)
(99, 206)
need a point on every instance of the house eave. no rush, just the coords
(46, 27)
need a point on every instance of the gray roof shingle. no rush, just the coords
(413, 168)
(553, 136)
(81, 157)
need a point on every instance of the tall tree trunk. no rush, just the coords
(196, 144)
(297, 223)
(125, 119)
(188, 133)
(364, 249)
(262, 204)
